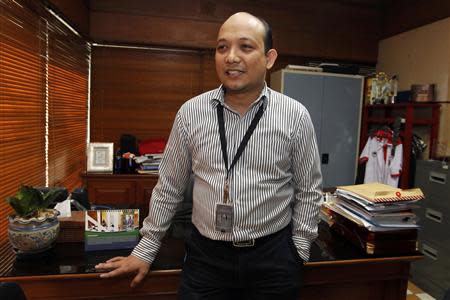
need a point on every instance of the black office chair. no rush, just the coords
(11, 291)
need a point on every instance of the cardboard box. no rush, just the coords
(422, 92)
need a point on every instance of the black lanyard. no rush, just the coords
(245, 139)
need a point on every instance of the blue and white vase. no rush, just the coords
(33, 235)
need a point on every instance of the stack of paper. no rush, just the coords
(378, 193)
(149, 163)
(379, 206)
(374, 211)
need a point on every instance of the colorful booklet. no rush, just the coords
(111, 229)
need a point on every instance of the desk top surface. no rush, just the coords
(70, 258)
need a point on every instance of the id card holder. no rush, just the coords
(224, 217)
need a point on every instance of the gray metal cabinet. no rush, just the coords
(334, 102)
(433, 272)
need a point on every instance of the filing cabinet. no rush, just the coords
(433, 272)
(334, 103)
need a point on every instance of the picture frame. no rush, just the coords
(100, 157)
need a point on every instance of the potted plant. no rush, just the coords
(34, 227)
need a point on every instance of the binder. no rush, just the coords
(378, 193)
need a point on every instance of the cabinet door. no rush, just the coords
(339, 139)
(308, 90)
(115, 193)
(334, 103)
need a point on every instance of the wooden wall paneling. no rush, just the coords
(75, 12)
(209, 79)
(329, 30)
(404, 15)
(322, 29)
(138, 91)
(138, 29)
(169, 8)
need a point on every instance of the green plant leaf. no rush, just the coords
(15, 204)
(50, 197)
(26, 202)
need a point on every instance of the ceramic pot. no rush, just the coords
(33, 235)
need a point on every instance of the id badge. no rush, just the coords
(224, 217)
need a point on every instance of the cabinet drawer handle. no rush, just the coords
(433, 215)
(438, 177)
(430, 252)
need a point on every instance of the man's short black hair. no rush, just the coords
(268, 41)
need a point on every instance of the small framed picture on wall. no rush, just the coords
(100, 157)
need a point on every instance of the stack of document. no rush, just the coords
(376, 206)
(374, 212)
(148, 163)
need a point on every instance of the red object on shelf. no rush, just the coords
(152, 146)
(407, 113)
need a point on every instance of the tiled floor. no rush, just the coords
(415, 293)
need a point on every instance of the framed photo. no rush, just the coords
(100, 157)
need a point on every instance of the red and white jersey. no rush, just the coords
(382, 165)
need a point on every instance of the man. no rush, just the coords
(257, 187)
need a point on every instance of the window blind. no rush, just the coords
(22, 99)
(43, 101)
(67, 95)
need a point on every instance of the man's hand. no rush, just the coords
(125, 265)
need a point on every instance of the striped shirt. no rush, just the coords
(277, 179)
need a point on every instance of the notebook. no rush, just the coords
(381, 193)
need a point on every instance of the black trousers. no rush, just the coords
(216, 270)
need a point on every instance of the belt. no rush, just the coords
(242, 244)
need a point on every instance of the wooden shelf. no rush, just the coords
(403, 105)
(392, 120)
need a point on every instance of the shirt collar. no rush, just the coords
(218, 96)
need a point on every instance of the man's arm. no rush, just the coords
(307, 179)
(174, 176)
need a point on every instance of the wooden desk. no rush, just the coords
(337, 270)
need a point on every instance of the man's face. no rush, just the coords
(240, 58)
